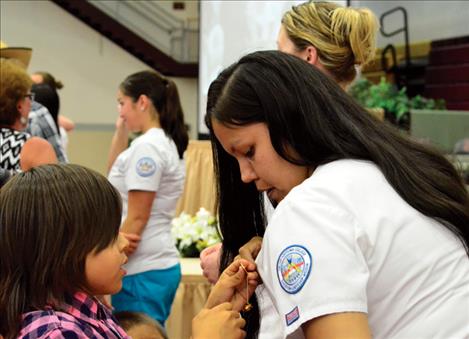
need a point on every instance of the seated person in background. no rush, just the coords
(140, 326)
(41, 123)
(48, 97)
(18, 151)
(63, 123)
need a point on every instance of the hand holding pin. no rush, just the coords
(248, 306)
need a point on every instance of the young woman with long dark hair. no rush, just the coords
(371, 230)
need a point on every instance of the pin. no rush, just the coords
(248, 306)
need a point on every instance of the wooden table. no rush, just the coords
(191, 295)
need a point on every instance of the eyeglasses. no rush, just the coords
(31, 96)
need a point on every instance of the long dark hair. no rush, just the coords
(308, 112)
(165, 97)
(51, 218)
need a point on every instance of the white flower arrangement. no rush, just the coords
(194, 233)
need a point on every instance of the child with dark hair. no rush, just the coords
(60, 247)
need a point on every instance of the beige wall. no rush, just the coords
(90, 148)
(90, 66)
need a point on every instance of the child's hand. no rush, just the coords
(234, 285)
(220, 322)
(210, 262)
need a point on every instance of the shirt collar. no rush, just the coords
(82, 306)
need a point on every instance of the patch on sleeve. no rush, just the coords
(292, 316)
(293, 268)
(146, 167)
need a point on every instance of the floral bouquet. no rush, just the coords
(194, 233)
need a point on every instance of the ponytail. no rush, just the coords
(172, 118)
(343, 37)
(357, 27)
(165, 97)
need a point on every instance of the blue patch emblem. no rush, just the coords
(292, 316)
(146, 167)
(293, 268)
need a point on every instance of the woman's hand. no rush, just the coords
(210, 257)
(134, 240)
(120, 125)
(219, 322)
(251, 249)
(210, 262)
(119, 142)
(236, 285)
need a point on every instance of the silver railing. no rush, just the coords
(175, 37)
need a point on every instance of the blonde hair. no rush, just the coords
(343, 36)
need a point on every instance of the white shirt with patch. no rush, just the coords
(152, 164)
(345, 241)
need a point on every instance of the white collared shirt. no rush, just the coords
(345, 241)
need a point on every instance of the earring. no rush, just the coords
(23, 121)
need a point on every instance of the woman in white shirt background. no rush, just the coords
(149, 175)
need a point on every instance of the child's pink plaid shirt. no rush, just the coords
(79, 317)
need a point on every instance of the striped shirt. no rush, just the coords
(79, 317)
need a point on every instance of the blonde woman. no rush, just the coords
(337, 40)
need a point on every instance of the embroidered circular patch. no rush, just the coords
(146, 167)
(293, 268)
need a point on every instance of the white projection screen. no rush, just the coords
(230, 29)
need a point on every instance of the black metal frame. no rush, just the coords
(400, 81)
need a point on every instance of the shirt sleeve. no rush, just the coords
(145, 168)
(312, 264)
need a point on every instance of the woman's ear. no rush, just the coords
(19, 105)
(142, 102)
(312, 55)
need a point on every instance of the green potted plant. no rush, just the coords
(396, 103)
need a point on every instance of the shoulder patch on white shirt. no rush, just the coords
(293, 268)
(146, 167)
